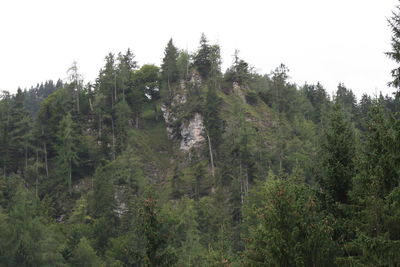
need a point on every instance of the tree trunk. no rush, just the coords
(115, 87)
(26, 156)
(169, 86)
(211, 156)
(90, 105)
(246, 186)
(70, 178)
(100, 126)
(241, 183)
(77, 97)
(45, 155)
(113, 138)
(37, 173)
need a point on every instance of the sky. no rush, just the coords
(341, 41)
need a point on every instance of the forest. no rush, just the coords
(183, 164)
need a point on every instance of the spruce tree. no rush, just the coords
(19, 130)
(337, 157)
(169, 68)
(213, 123)
(290, 230)
(201, 59)
(126, 65)
(157, 250)
(376, 192)
(67, 150)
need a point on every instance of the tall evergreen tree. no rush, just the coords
(157, 250)
(126, 65)
(67, 150)
(201, 59)
(290, 230)
(19, 129)
(337, 157)
(5, 117)
(239, 71)
(75, 79)
(213, 123)
(169, 68)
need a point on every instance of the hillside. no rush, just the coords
(184, 165)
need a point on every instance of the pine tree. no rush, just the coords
(183, 63)
(75, 79)
(177, 183)
(290, 230)
(157, 251)
(126, 65)
(213, 123)
(347, 99)
(169, 68)
(122, 122)
(67, 150)
(201, 60)
(376, 192)
(337, 157)
(5, 117)
(239, 71)
(19, 130)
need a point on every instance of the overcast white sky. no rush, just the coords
(319, 40)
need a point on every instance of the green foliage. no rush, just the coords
(25, 238)
(291, 231)
(239, 71)
(201, 59)
(122, 123)
(169, 67)
(148, 81)
(337, 157)
(85, 255)
(157, 252)
(290, 182)
(67, 155)
(212, 119)
(347, 99)
(182, 64)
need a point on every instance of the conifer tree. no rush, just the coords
(183, 63)
(19, 129)
(169, 68)
(126, 65)
(122, 122)
(376, 192)
(157, 251)
(290, 230)
(67, 150)
(5, 116)
(213, 123)
(75, 79)
(201, 60)
(337, 156)
(239, 71)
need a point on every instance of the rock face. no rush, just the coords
(238, 90)
(192, 133)
(169, 119)
(119, 197)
